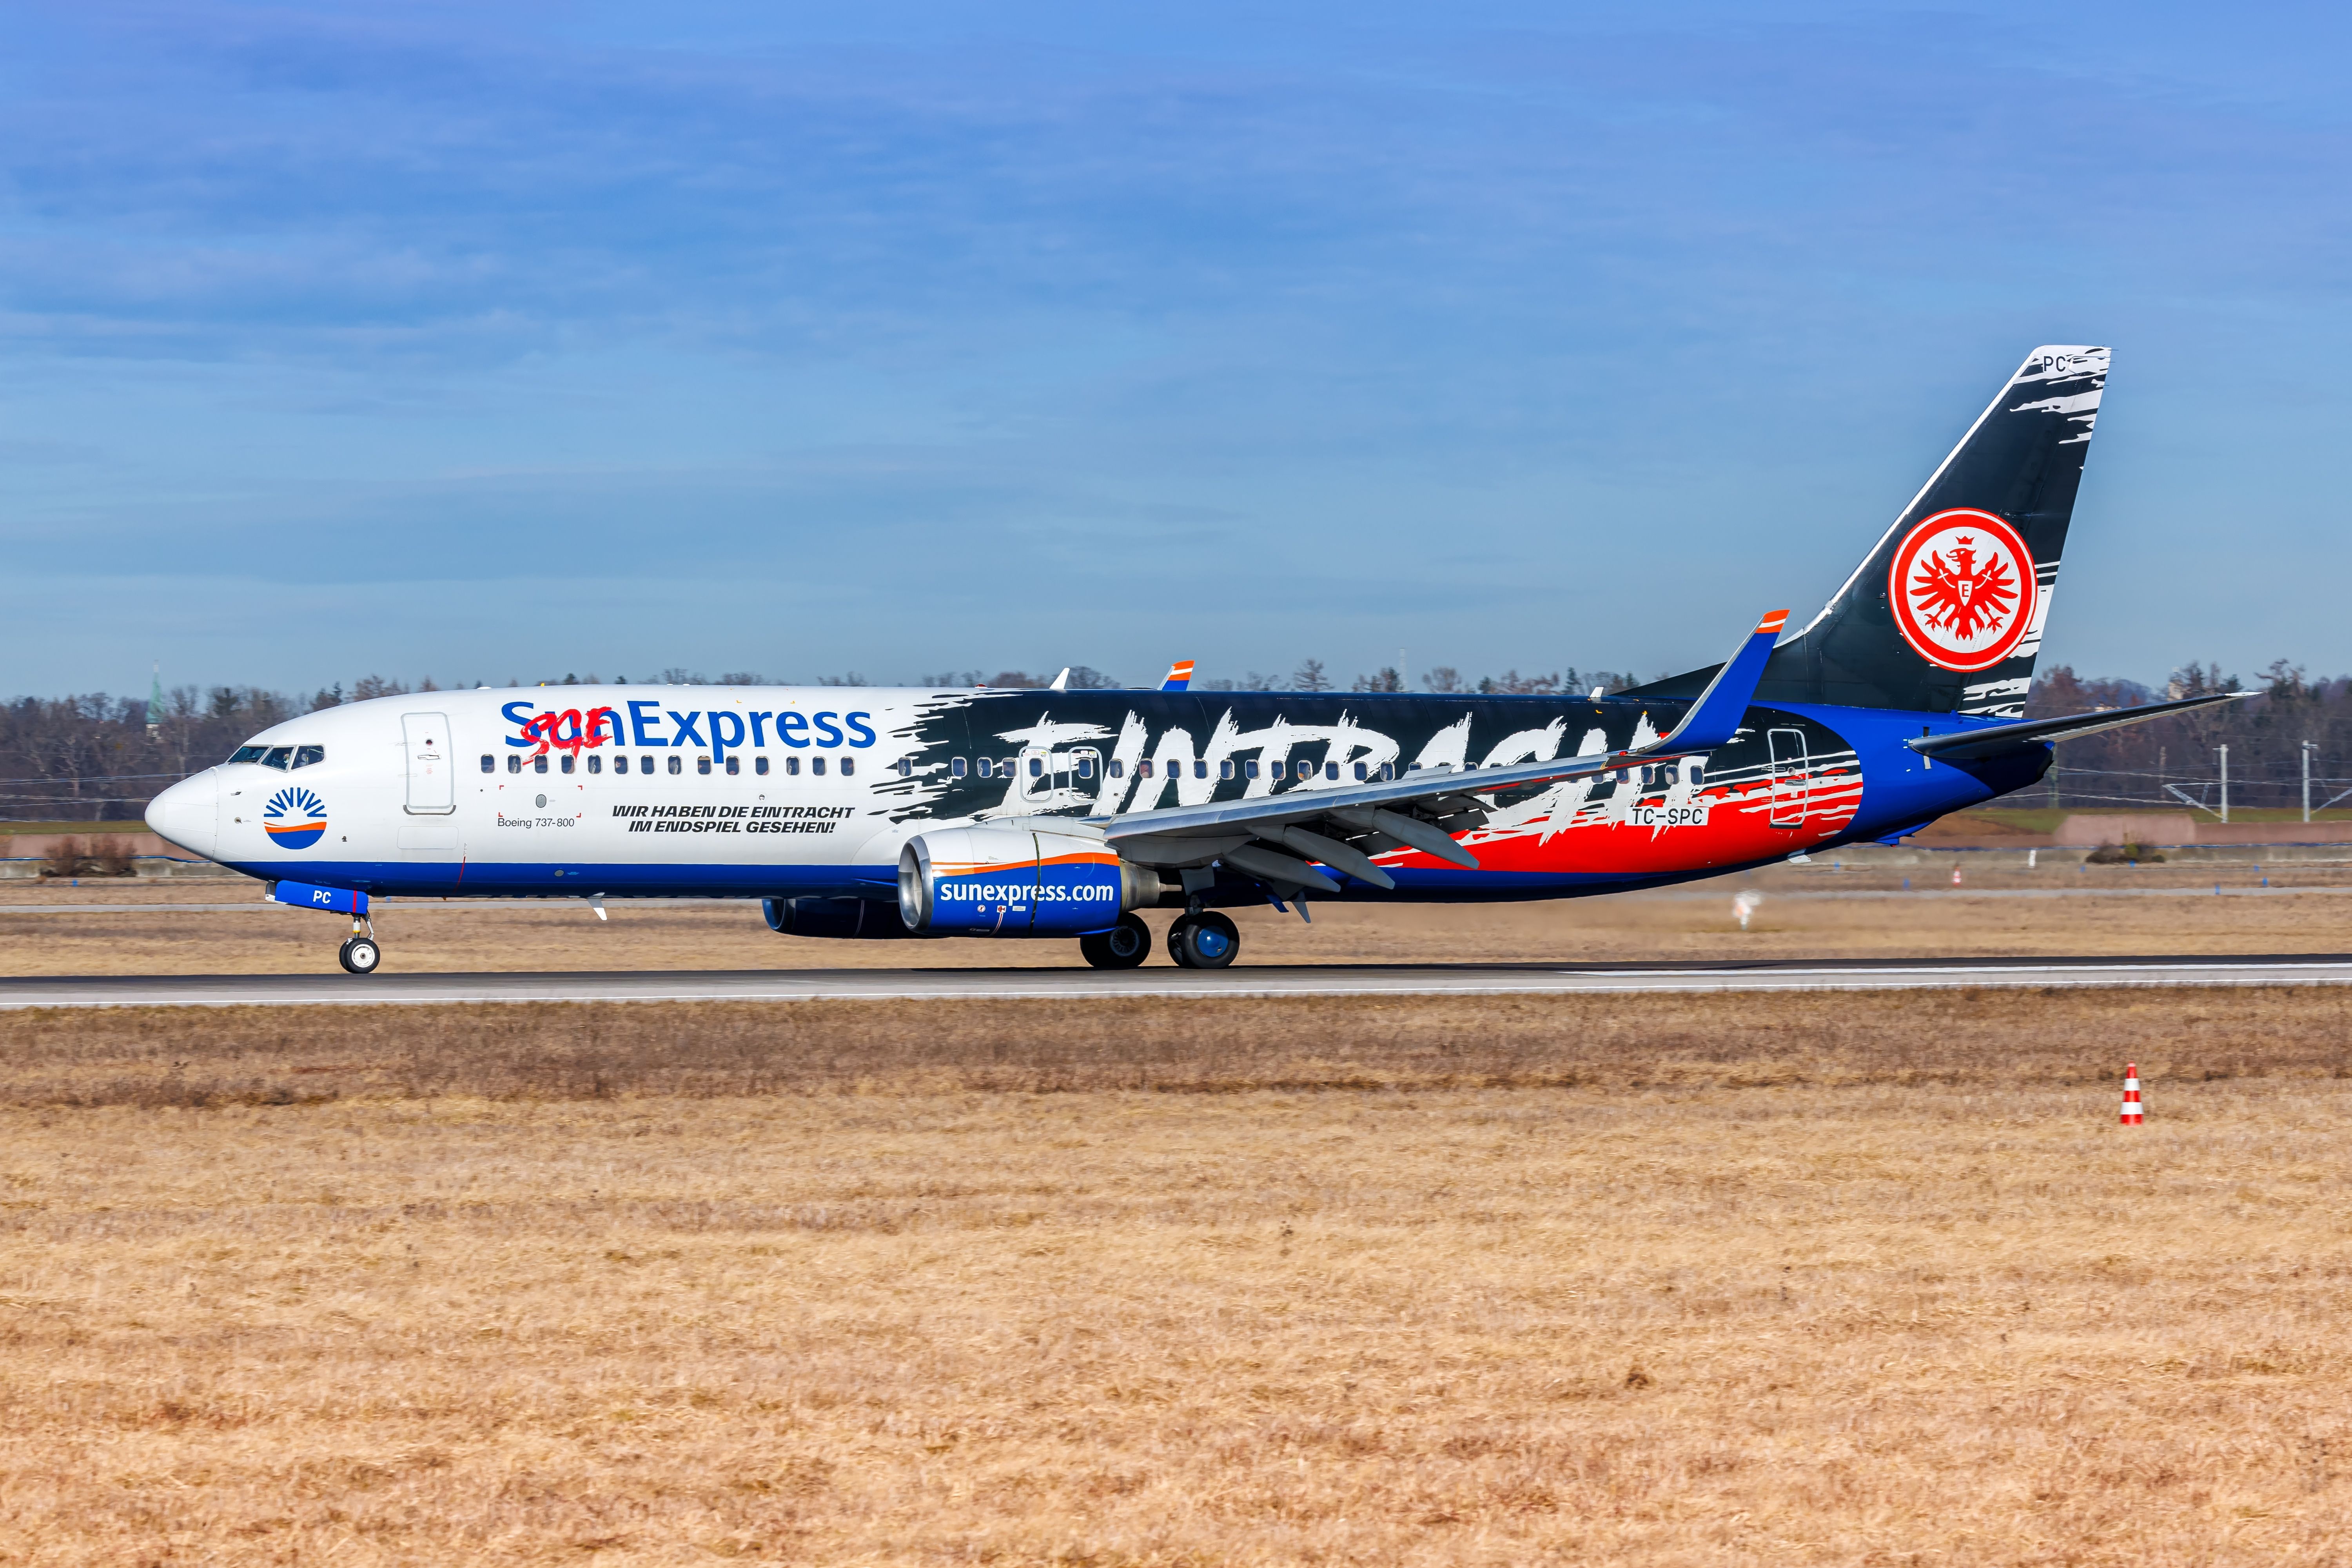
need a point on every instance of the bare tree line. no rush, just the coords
(99, 758)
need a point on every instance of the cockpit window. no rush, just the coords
(247, 753)
(278, 757)
(305, 755)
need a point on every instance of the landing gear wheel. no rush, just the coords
(360, 954)
(1205, 941)
(1123, 946)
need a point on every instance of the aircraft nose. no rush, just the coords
(188, 814)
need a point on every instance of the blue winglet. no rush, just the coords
(1716, 716)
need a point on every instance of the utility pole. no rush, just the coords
(2225, 783)
(2306, 781)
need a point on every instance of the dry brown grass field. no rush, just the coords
(1801, 917)
(1657, 1280)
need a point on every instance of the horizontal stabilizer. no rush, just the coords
(1993, 739)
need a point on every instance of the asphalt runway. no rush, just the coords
(1333, 980)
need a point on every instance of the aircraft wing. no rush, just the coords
(1992, 741)
(1406, 812)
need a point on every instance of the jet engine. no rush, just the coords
(1002, 880)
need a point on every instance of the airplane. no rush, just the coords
(906, 814)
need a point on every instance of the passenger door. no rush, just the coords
(1791, 777)
(432, 780)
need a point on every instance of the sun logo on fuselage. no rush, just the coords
(294, 818)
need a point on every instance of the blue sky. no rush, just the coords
(483, 340)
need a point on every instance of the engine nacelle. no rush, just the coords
(869, 920)
(1001, 880)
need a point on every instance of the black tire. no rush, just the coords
(1123, 946)
(1205, 941)
(360, 954)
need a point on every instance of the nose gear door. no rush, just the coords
(432, 782)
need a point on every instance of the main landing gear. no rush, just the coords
(360, 954)
(1123, 946)
(1203, 941)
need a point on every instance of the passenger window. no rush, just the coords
(1142, 769)
(539, 763)
(1695, 773)
(489, 763)
(595, 763)
(569, 762)
(247, 753)
(1306, 769)
(1037, 767)
(1224, 769)
(904, 767)
(816, 766)
(956, 768)
(676, 766)
(1387, 771)
(734, 764)
(791, 767)
(760, 766)
(1362, 773)
(1118, 769)
(702, 765)
(514, 763)
(986, 767)
(849, 766)
(644, 764)
(1085, 767)
(1331, 770)
(305, 755)
(1249, 769)
(1201, 768)
(278, 757)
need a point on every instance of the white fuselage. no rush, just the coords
(444, 792)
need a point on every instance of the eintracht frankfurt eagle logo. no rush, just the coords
(1962, 588)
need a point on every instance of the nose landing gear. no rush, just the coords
(360, 954)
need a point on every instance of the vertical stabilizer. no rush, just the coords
(1945, 614)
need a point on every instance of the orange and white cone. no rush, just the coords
(2131, 1094)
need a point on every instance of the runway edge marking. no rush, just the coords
(1564, 986)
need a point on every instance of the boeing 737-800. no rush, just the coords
(865, 813)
